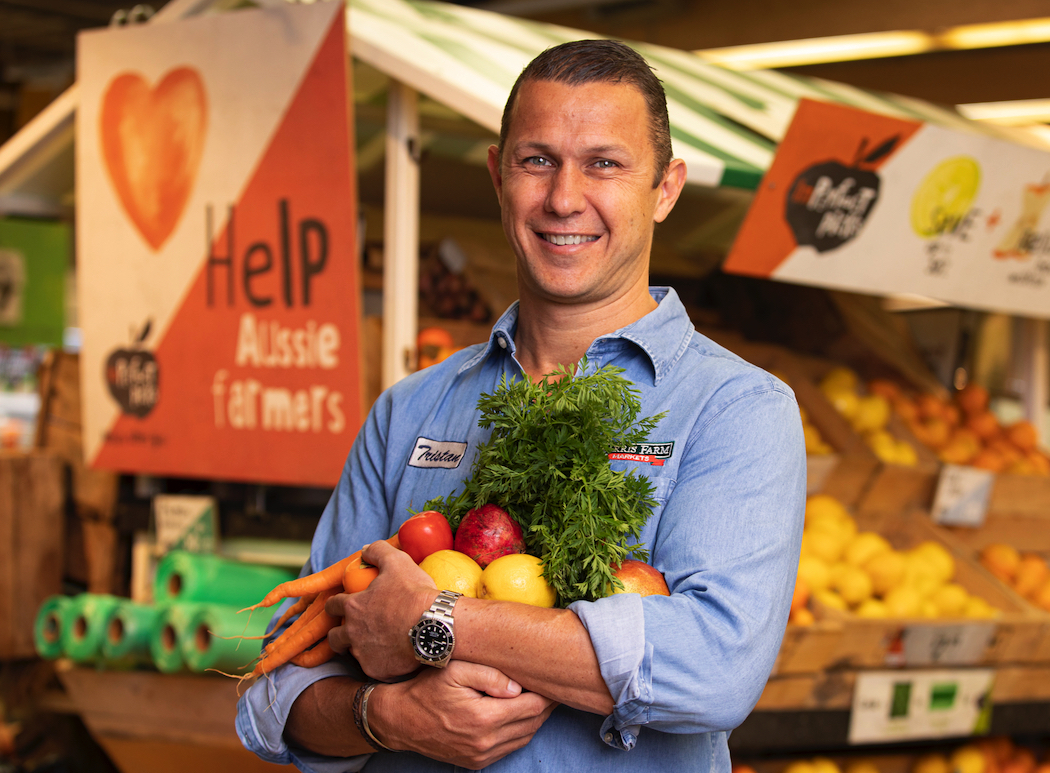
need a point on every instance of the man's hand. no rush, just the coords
(467, 714)
(376, 621)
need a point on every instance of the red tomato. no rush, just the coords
(425, 533)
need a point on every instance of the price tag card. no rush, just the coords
(940, 645)
(891, 706)
(962, 495)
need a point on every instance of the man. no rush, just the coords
(583, 172)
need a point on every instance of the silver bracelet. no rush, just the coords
(369, 735)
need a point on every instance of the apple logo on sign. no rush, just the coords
(133, 376)
(829, 202)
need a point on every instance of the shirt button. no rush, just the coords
(502, 342)
(609, 737)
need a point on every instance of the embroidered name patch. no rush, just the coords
(437, 453)
(650, 453)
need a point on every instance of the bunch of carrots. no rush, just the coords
(305, 642)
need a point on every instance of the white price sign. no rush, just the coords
(940, 645)
(962, 495)
(909, 705)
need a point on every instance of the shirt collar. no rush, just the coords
(663, 334)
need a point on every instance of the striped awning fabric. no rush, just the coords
(725, 124)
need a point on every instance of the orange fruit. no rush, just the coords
(1023, 435)
(987, 459)
(972, 398)
(930, 406)
(800, 598)
(1032, 573)
(984, 424)
(905, 408)
(1039, 462)
(1002, 560)
(952, 415)
(1041, 598)
(884, 387)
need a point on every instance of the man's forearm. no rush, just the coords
(547, 651)
(322, 719)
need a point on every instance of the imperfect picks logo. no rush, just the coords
(437, 453)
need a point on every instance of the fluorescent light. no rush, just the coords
(1015, 113)
(992, 35)
(838, 48)
(877, 45)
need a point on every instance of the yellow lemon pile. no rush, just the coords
(861, 572)
(868, 413)
(515, 577)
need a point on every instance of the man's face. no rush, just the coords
(576, 189)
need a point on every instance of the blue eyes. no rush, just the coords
(602, 163)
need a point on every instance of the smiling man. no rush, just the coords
(583, 173)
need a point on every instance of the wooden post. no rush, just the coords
(1035, 370)
(400, 234)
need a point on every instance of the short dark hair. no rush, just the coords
(600, 61)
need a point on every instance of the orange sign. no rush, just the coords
(217, 250)
(880, 205)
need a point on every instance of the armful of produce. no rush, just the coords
(541, 485)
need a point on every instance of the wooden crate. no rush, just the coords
(807, 649)
(1022, 496)
(1030, 534)
(31, 497)
(153, 723)
(877, 643)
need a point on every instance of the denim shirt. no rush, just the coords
(729, 469)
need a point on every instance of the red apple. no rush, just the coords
(641, 578)
(488, 532)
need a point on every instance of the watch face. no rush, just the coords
(432, 640)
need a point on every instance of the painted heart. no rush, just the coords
(152, 142)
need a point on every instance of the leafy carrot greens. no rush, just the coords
(547, 464)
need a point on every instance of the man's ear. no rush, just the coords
(670, 188)
(494, 171)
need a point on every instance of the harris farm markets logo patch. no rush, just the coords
(828, 203)
(649, 453)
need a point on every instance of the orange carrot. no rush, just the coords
(287, 647)
(321, 653)
(295, 609)
(358, 576)
(315, 608)
(329, 577)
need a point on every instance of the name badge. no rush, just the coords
(437, 453)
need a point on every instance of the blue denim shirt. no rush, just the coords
(729, 468)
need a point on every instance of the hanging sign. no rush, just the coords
(962, 496)
(869, 203)
(216, 246)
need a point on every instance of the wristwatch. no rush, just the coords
(433, 637)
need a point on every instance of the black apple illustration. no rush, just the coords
(830, 201)
(133, 376)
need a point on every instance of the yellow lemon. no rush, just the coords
(873, 411)
(853, 584)
(862, 766)
(872, 608)
(845, 402)
(840, 377)
(827, 505)
(800, 766)
(944, 196)
(824, 765)
(814, 571)
(864, 547)
(830, 598)
(979, 609)
(968, 759)
(903, 601)
(938, 557)
(883, 445)
(929, 610)
(516, 577)
(906, 455)
(950, 600)
(825, 545)
(815, 443)
(452, 570)
(921, 574)
(886, 570)
(931, 763)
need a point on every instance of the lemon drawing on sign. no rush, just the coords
(945, 196)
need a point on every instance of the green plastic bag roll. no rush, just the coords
(51, 620)
(169, 630)
(129, 629)
(183, 576)
(221, 639)
(86, 628)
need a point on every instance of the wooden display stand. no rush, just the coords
(162, 723)
(31, 498)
